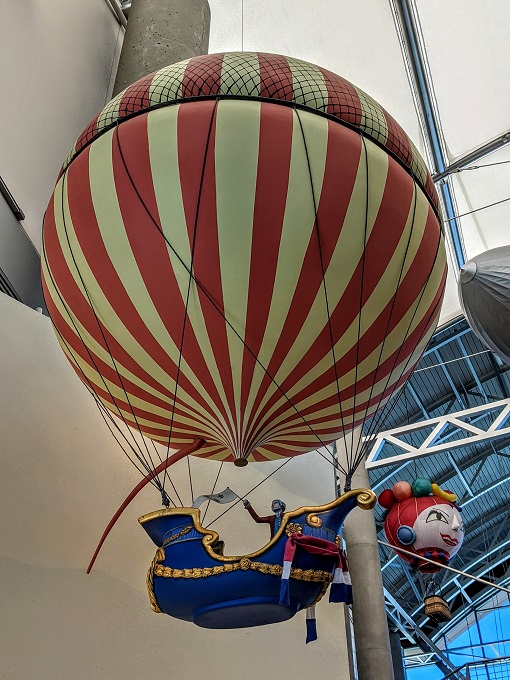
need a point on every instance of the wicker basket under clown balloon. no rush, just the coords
(422, 519)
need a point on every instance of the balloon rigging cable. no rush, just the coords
(216, 306)
(149, 466)
(164, 497)
(483, 207)
(137, 451)
(355, 458)
(100, 327)
(212, 491)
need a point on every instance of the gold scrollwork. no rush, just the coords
(210, 539)
(159, 557)
(183, 532)
(366, 500)
(313, 520)
(310, 575)
(293, 528)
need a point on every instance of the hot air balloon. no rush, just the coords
(243, 260)
(425, 522)
(426, 525)
(484, 292)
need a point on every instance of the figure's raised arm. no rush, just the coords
(256, 517)
(274, 521)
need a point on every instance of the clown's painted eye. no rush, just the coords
(436, 515)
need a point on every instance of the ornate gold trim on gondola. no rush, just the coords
(365, 500)
(183, 532)
(159, 557)
(313, 520)
(311, 575)
(157, 569)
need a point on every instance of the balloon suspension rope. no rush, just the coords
(348, 481)
(197, 444)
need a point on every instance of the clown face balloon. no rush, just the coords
(428, 526)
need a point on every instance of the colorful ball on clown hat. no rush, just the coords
(402, 490)
(421, 487)
(387, 499)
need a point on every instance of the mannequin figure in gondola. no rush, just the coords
(274, 521)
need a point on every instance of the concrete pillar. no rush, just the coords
(396, 656)
(371, 639)
(159, 33)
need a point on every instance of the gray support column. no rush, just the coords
(349, 636)
(396, 656)
(159, 33)
(371, 639)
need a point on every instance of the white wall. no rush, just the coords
(62, 478)
(57, 61)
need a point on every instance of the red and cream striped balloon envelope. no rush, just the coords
(244, 248)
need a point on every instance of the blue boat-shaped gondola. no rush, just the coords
(191, 579)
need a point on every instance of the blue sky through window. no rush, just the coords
(494, 628)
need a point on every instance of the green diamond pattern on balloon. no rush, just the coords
(238, 74)
(309, 86)
(373, 121)
(418, 167)
(167, 83)
(110, 113)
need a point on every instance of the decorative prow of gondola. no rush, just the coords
(191, 579)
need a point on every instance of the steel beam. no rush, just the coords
(418, 401)
(487, 489)
(449, 378)
(403, 622)
(499, 375)
(415, 56)
(473, 434)
(472, 369)
(473, 156)
(460, 475)
(418, 659)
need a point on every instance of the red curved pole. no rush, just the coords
(197, 444)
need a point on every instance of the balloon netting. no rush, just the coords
(263, 76)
